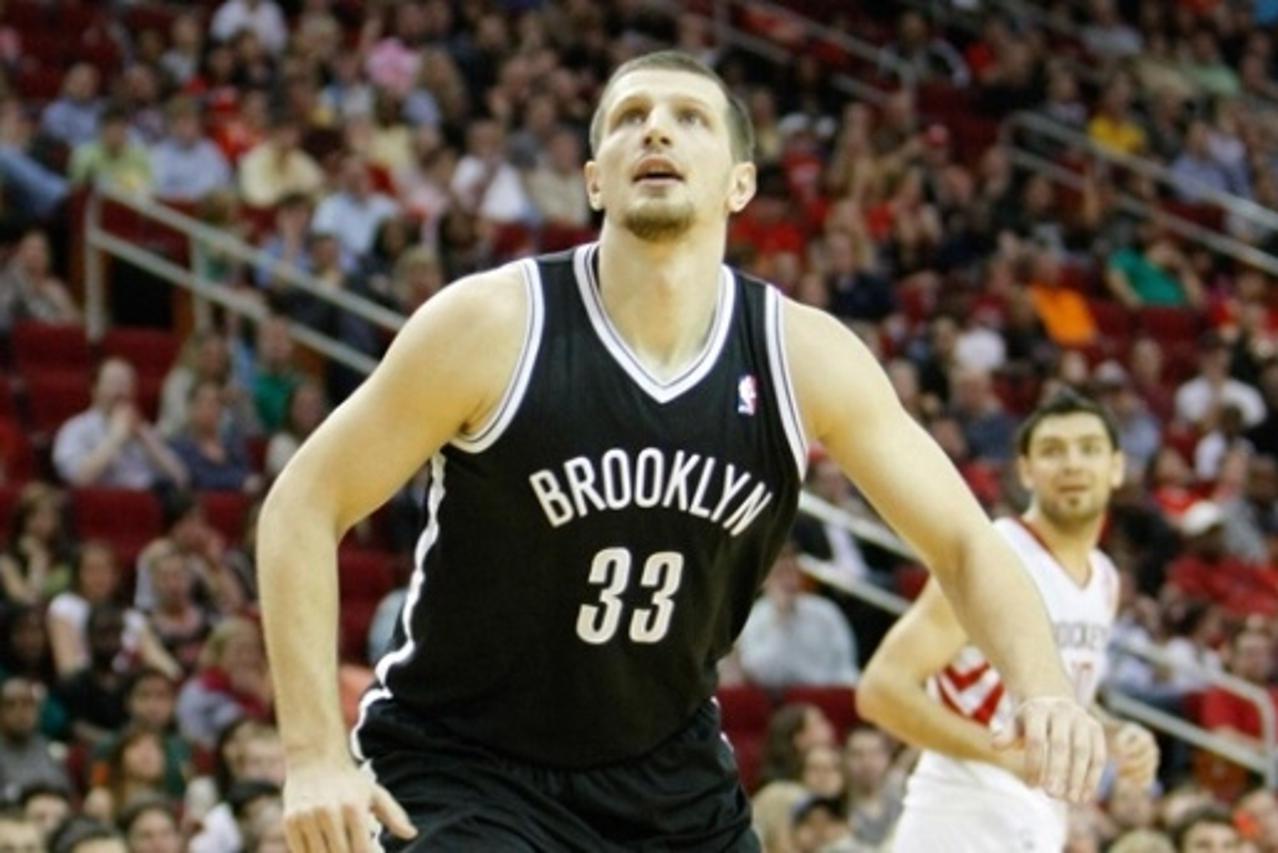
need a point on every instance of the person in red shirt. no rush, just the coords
(1228, 714)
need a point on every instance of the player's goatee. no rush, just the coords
(659, 223)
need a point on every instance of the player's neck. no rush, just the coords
(661, 296)
(1072, 547)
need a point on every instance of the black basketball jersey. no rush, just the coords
(595, 548)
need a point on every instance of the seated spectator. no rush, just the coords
(307, 408)
(288, 245)
(226, 827)
(928, 56)
(857, 287)
(111, 444)
(381, 629)
(26, 756)
(33, 187)
(95, 579)
(819, 824)
(187, 165)
(47, 806)
(1196, 174)
(205, 356)
(72, 119)
(556, 187)
(149, 704)
(1257, 815)
(485, 183)
(1251, 519)
(1225, 437)
(262, 18)
(1213, 387)
(186, 41)
(1207, 67)
(1106, 36)
(1207, 831)
(792, 730)
(1139, 431)
(987, 426)
(279, 167)
(275, 374)
(133, 771)
(822, 772)
(1204, 570)
(19, 834)
(24, 652)
(1113, 126)
(355, 211)
(1062, 310)
(875, 794)
(28, 289)
(112, 160)
(36, 564)
(150, 826)
(1154, 272)
(86, 834)
(794, 637)
(417, 277)
(177, 622)
(772, 807)
(214, 457)
(231, 683)
(1142, 841)
(1224, 712)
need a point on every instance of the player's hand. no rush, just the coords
(1064, 746)
(1135, 755)
(327, 807)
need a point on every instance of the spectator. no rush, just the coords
(987, 426)
(355, 211)
(1231, 715)
(95, 580)
(1225, 437)
(832, 543)
(1209, 830)
(555, 186)
(818, 824)
(822, 772)
(187, 165)
(177, 622)
(26, 756)
(306, 409)
(231, 683)
(279, 167)
(24, 652)
(18, 834)
(262, 18)
(793, 637)
(1196, 174)
(112, 161)
(485, 183)
(35, 189)
(72, 119)
(1107, 36)
(224, 828)
(1142, 841)
(1214, 388)
(28, 289)
(857, 288)
(1063, 310)
(773, 807)
(792, 730)
(288, 245)
(417, 277)
(205, 356)
(1112, 126)
(928, 57)
(149, 704)
(36, 565)
(1251, 519)
(133, 771)
(47, 806)
(82, 834)
(1206, 67)
(1155, 272)
(111, 444)
(875, 796)
(215, 458)
(1258, 813)
(181, 60)
(150, 826)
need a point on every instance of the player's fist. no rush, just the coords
(327, 807)
(1135, 754)
(1064, 746)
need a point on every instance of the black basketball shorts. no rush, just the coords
(684, 795)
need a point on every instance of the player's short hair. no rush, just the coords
(1205, 815)
(1065, 402)
(740, 128)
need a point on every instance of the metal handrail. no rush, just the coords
(97, 240)
(1041, 124)
(1223, 244)
(878, 533)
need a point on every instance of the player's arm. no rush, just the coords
(444, 371)
(849, 406)
(893, 692)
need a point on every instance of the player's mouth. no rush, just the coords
(656, 171)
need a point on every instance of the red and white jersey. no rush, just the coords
(1082, 617)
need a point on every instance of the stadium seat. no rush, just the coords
(745, 709)
(125, 518)
(150, 351)
(226, 512)
(9, 492)
(41, 345)
(748, 752)
(838, 703)
(1171, 325)
(53, 396)
(1113, 319)
(364, 578)
(17, 462)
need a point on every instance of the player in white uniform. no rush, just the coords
(930, 687)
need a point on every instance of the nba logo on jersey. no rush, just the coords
(747, 395)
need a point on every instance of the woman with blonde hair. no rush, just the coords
(230, 684)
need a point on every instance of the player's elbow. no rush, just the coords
(874, 694)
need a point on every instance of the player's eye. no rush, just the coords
(692, 117)
(631, 115)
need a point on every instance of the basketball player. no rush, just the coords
(931, 687)
(616, 436)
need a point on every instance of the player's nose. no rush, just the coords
(656, 130)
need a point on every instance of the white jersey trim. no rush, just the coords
(779, 363)
(495, 425)
(663, 391)
(425, 542)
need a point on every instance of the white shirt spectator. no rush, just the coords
(188, 172)
(1196, 398)
(353, 219)
(812, 644)
(494, 192)
(263, 17)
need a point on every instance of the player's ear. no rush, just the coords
(1023, 473)
(593, 194)
(742, 186)
(1117, 469)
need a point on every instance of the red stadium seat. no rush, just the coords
(125, 518)
(53, 396)
(8, 500)
(150, 351)
(8, 405)
(226, 512)
(1171, 325)
(748, 752)
(838, 703)
(41, 345)
(745, 710)
(364, 578)
(17, 462)
(1113, 319)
